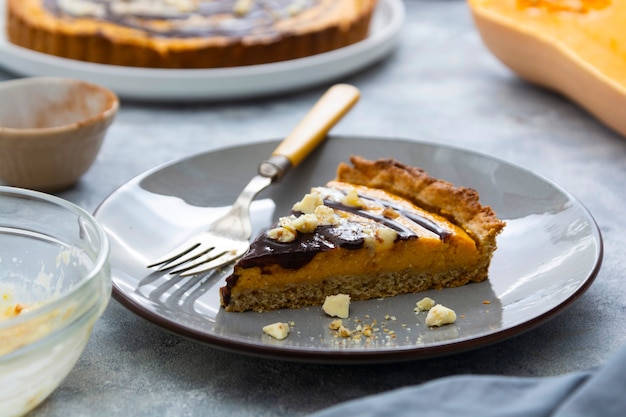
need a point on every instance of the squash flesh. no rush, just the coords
(593, 30)
(575, 47)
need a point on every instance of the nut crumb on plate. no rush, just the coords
(344, 331)
(335, 324)
(424, 304)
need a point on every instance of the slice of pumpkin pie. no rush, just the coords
(379, 229)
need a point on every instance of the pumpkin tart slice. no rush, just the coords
(379, 229)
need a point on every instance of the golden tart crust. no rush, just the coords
(460, 205)
(408, 232)
(321, 26)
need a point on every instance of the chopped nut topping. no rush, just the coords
(281, 234)
(390, 213)
(305, 223)
(308, 203)
(352, 199)
(295, 7)
(385, 236)
(242, 7)
(183, 5)
(287, 222)
(381, 238)
(369, 237)
(326, 216)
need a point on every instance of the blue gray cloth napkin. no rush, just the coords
(597, 392)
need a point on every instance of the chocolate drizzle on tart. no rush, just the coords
(187, 18)
(346, 235)
(380, 229)
(187, 33)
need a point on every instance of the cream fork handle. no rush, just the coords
(312, 129)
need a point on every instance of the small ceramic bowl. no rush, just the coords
(55, 282)
(51, 130)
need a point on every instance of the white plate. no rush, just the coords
(548, 254)
(216, 84)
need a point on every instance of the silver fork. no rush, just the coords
(227, 239)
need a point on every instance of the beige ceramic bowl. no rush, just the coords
(51, 130)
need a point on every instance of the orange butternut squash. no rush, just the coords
(574, 47)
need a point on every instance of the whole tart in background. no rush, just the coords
(187, 33)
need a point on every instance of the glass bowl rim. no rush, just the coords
(100, 262)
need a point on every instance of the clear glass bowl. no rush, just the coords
(55, 282)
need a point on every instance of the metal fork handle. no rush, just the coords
(275, 167)
(311, 130)
(305, 137)
(236, 223)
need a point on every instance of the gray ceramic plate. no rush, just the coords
(548, 254)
